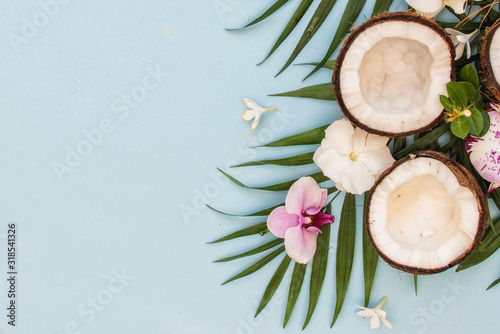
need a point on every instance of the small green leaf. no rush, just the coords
(424, 142)
(257, 265)
(318, 270)
(457, 94)
(468, 73)
(319, 92)
(495, 282)
(480, 103)
(296, 160)
(299, 272)
(310, 137)
(381, 6)
(254, 251)
(370, 259)
(273, 284)
(345, 251)
(460, 127)
(476, 122)
(470, 90)
(255, 229)
(486, 123)
(445, 101)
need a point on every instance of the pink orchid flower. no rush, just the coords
(300, 219)
(484, 152)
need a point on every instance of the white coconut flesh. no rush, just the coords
(495, 55)
(392, 76)
(420, 216)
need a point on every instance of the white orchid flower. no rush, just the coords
(430, 8)
(352, 158)
(375, 314)
(461, 40)
(255, 112)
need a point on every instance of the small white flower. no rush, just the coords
(352, 158)
(375, 314)
(460, 40)
(255, 112)
(430, 8)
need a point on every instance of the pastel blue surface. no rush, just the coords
(114, 117)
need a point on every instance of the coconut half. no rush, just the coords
(490, 59)
(390, 72)
(426, 213)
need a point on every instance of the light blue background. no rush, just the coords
(134, 204)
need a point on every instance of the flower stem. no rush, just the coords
(379, 306)
(269, 109)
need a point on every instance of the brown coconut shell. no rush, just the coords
(465, 179)
(489, 76)
(382, 18)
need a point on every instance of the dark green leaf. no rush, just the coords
(254, 251)
(352, 10)
(449, 145)
(296, 160)
(294, 20)
(476, 122)
(486, 122)
(299, 272)
(345, 251)
(468, 73)
(470, 90)
(314, 24)
(488, 246)
(457, 94)
(255, 229)
(270, 11)
(310, 137)
(328, 65)
(415, 281)
(257, 265)
(495, 196)
(493, 284)
(445, 101)
(399, 144)
(274, 284)
(464, 159)
(460, 127)
(381, 6)
(318, 271)
(319, 92)
(370, 259)
(424, 141)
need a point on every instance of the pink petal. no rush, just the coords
(492, 187)
(300, 244)
(321, 219)
(305, 194)
(279, 221)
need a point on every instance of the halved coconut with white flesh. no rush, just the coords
(426, 213)
(490, 59)
(390, 72)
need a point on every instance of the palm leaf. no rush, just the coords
(273, 284)
(495, 282)
(254, 229)
(345, 251)
(257, 265)
(319, 92)
(270, 11)
(299, 272)
(318, 271)
(424, 141)
(264, 212)
(310, 137)
(294, 20)
(370, 259)
(314, 24)
(351, 13)
(328, 65)
(381, 6)
(254, 251)
(296, 160)
(415, 281)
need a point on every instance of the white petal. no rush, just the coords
(251, 104)
(339, 135)
(332, 163)
(459, 50)
(377, 160)
(358, 179)
(386, 323)
(468, 50)
(453, 35)
(375, 322)
(256, 121)
(457, 5)
(248, 115)
(426, 6)
(365, 313)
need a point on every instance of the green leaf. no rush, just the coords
(446, 103)
(495, 282)
(314, 24)
(488, 246)
(299, 272)
(470, 90)
(319, 92)
(294, 20)
(476, 122)
(270, 11)
(345, 251)
(257, 265)
(381, 6)
(464, 159)
(495, 196)
(351, 13)
(370, 259)
(318, 271)
(415, 279)
(310, 137)
(254, 229)
(460, 127)
(399, 144)
(254, 251)
(318, 177)
(274, 284)
(296, 160)
(424, 141)
(486, 123)
(328, 65)
(468, 73)
(457, 94)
